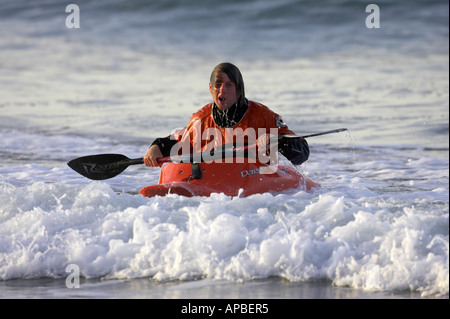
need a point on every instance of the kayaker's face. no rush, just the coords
(223, 92)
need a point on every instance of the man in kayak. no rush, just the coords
(230, 114)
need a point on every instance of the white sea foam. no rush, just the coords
(334, 233)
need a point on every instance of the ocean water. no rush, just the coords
(133, 71)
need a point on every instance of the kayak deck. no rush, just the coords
(203, 179)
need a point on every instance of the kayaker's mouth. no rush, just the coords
(221, 99)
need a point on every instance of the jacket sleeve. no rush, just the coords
(294, 149)
(165, 144)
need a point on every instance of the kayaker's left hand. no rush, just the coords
(264, 141)
(268, 153)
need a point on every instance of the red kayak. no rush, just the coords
(203, 179)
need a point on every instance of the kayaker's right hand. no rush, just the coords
(151, 158)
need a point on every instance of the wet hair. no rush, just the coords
(234, 75)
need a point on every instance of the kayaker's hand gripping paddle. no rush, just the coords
(105, 166)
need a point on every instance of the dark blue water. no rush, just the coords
(276, 29)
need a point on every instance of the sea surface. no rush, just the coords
(135, 70)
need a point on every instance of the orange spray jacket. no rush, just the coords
(203, 134)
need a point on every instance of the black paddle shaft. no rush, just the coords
(104, 166)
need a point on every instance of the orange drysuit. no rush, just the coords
(204, 134)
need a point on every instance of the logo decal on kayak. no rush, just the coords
(246, 173)
(265, 170)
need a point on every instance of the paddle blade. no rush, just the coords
(100, 167)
